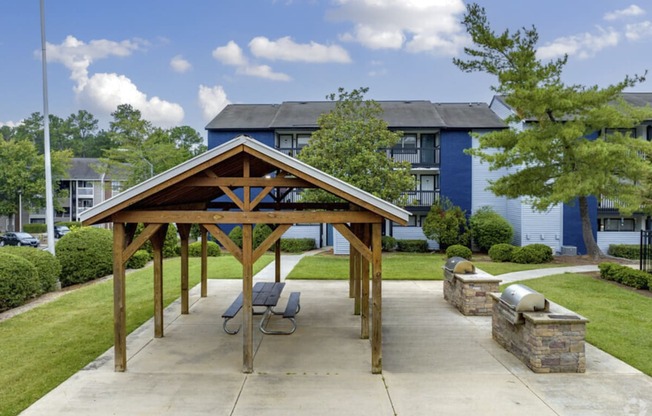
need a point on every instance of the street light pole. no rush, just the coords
(20, 210)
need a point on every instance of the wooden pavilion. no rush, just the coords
(243, 182)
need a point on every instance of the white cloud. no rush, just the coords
(11, 124)
(105, 91)
(180, 65)
(212, 100)
(285, 49)
(630, 11)
(231, 54)
(416, 25)
(583, 46)
(637, 31)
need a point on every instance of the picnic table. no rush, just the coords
(267, 295)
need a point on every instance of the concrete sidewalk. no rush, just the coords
(435, 360)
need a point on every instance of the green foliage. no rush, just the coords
(47, 266)
(532, 254)
(19, 281)
(489, 228)
(457, 250)
(139, 259)
(35, 228)
(501, 252)
(170, 245)
(556, 160)
(347, 146)
(261, 232)
(297, 245)
(212, 249)
(412, 246)
(85, 254)
(389, 243)
(626, 251)
(637, 279)
(236, 235)
(446, 224)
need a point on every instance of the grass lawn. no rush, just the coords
(620, 318)
(44, 346)
(397, 266)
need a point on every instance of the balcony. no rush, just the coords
(421, 199)
(418, 156)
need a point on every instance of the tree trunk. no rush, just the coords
(592, 248)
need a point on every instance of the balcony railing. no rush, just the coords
(421, 198)
(418, 156)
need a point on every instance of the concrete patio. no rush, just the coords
(435, 361)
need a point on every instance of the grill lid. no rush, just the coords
(459, 265)
(523, 299)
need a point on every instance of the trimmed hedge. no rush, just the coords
(139, 259)
(261, 232)
(458, 250)
(236, 235)
(85, 254)
(19, 281)
(412, 246)
(297, 245)
(625, 251)
(388, 243)
(532, 254)
(212, 248)
(35, 228)
(638, 279)
(47, 266)
(501, 252)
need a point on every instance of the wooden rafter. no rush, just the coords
(271, 239)
(354, 240)
(137, 243)
(224, 239)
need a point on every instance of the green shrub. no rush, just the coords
(297, 245)
(446, 224)
(47, 266)
(388, 243)
(85, 254)
(412, 246)
(212, 249)
(261, 232)
(458, 250)
(532, 254)
(626, 275)
(139, 259)
(35, 228)
(626, 251)
(501, 252)
(236, 235)
(19, 281)
(489, 228)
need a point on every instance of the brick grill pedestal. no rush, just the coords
(547, 342)
(469, 293)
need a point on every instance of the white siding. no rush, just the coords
(340, 244)
(542, 227)
(500, 109)
(514, 208)
(605, 238)
(303, 231)
(480, 177)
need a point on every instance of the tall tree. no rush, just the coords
(347, 146)
(82, 128)
(564, 155)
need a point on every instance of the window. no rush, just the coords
(616, 224)
(302, 140)
(407, 144)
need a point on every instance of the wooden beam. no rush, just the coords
(158, 241)
(271, 239)
(184, 233)
(247, 300)
(377, 301)
(277, 182)
(225, 240)
(260, 197)
(364, 286)
(150, 229)
(233, 197)
(256, 217)
(204, 261)
(354, 240)
(247, 188)
(119, 299)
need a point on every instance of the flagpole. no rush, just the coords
(49, 198)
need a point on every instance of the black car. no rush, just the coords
(18, 239)
(60, 231)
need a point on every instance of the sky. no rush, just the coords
(181, 62)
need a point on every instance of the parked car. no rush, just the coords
(18, 239)
(60, 231)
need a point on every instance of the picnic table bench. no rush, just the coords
(265, 294)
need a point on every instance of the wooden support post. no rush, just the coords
(119, 299)
(364, 286)
(358, 271)
(377, 301)
(204, 261)
(277, 260)
(184, 233)
(351, 272)
(158, 240)
(247, 298)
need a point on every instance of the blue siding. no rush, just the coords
(456, 171)
(573, 224)
(216, 138)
